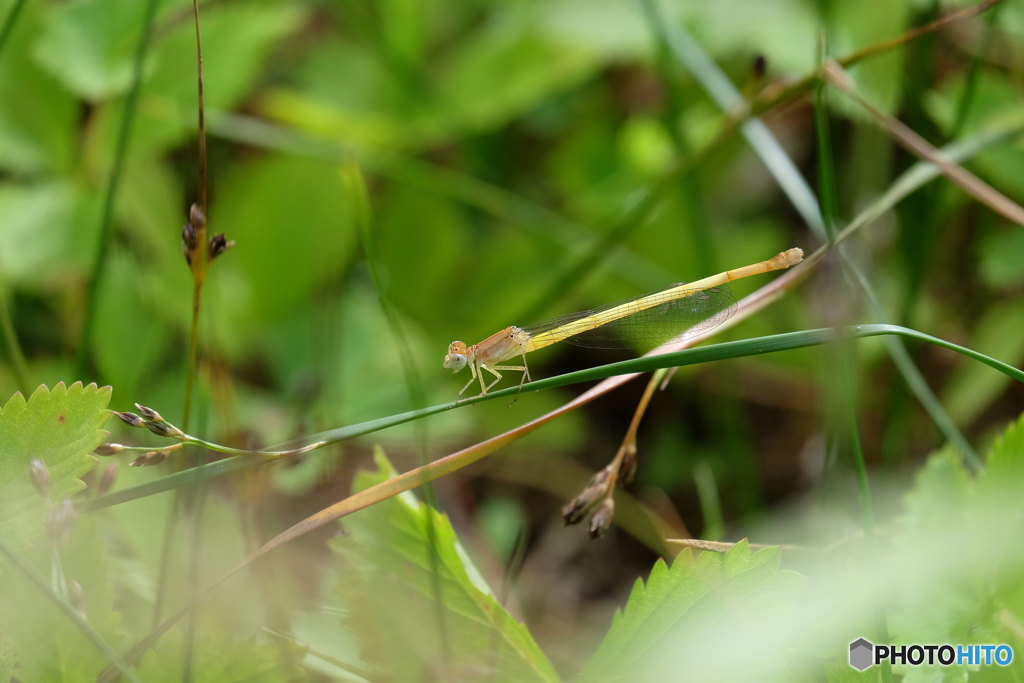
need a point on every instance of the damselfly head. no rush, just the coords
(455, 359)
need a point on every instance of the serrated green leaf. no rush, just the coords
(695, 594)
(1006, 458)
(61, 427)
(964, 526)
(418, 605)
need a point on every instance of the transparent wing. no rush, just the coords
(649, 327)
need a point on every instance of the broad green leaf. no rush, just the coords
(693, 595)
(417, 603)
(60, 427)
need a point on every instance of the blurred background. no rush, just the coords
(501, 144)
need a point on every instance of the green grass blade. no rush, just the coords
(705, 354)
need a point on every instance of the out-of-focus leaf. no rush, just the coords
(854, 25)
(995, 103)
(293, 234)
(129, 336)
(709, 586)
(43, 643)
(460, 96)
(397, 554)
(60, 427)
(947, 507)
(220, 655)
(237, 40)
(90, 45)
(37, 117)
(1002, 252)
(47, 233)
(417, 262)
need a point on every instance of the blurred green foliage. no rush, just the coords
(500, 141)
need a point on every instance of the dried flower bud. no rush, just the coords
(149, 458)
(601, 520)
(108, 449)
(130, 419)
(196, 217)
(107, 479)
(60, 521)
(148, 414)
(40, 475)
(575, 510)
(597, 488)
(218, 245)
(189, 237)
(628, 468)
(165, 429)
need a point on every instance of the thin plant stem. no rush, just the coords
(199, 277)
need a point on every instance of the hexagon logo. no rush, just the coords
(861, 654)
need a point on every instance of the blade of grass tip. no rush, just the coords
(728, 98)
(915, 144)
(355, 186)
(107, 220)
(9, 21)
(14, 352)
(73, 615)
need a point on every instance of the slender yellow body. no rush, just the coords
(514, 341)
